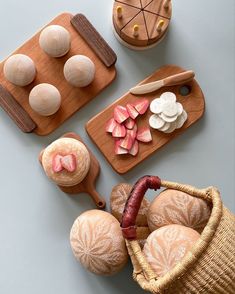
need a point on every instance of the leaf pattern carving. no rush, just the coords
(176, 207)
(119, 196)
(98, 244)
(167, 246)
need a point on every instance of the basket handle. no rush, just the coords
(133, 204)
(137, 194)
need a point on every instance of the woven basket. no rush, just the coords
(210, 265)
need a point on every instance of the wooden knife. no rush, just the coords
(173, 80)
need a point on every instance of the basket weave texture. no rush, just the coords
(209, 267)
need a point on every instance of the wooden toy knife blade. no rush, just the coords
(173, 80)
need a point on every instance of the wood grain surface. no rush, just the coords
(88, 184)
(15, 111)
(134, 3)
(193, 103)
(50, 70)
(94, 39)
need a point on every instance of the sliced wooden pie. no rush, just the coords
(140, 24)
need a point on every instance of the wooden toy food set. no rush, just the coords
(184, 239)
(141, 24)
(150, 132)
(41, 69)
(72, 166)
(190, 236)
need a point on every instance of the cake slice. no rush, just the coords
(127, 12)
(134, 3)
(152, 23)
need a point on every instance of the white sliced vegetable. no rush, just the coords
(156, 106)
(185, 115)
(180, 121)
(168, 96)
(169, 108)
(180, 108)
(168, 118)
(156, 122)
(172, 128)
(165, 127)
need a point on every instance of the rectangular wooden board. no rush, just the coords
(50, 70)
(193, 103)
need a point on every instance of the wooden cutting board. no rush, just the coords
(193, 103)
(50, 70)
(88, 184)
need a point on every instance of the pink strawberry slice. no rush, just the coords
(118, 149)
(133, 132)
(126, 142)
(120, 114)
(144, 135)
(141, 106)
(69, 162)
(56, 163)
(129, 123)
(135, 149)
(132, 111)
(110, 125)
(119, 131)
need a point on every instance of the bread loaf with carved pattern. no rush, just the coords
(97, 242)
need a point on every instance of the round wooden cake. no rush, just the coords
(141, 24)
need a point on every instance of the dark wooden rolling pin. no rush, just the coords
(16, 111)
(94, 39)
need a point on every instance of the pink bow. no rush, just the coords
(67, 162)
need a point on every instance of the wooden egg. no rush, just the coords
(176, 207)
(55, 40)
(19, 69)
(167, 246)
(66, 162)
(119, 196)
(79, 71)
(45, 99)
(97, 242)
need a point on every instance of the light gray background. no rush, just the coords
(35, 217)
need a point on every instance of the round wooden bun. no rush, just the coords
(19, 69)
(167, 246)
(119, 196)
(45, 99)
(79, 71)
(55, 40)
(176, 207)
(97, 242)
(66, 146)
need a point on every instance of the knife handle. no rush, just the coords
(179, 78)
